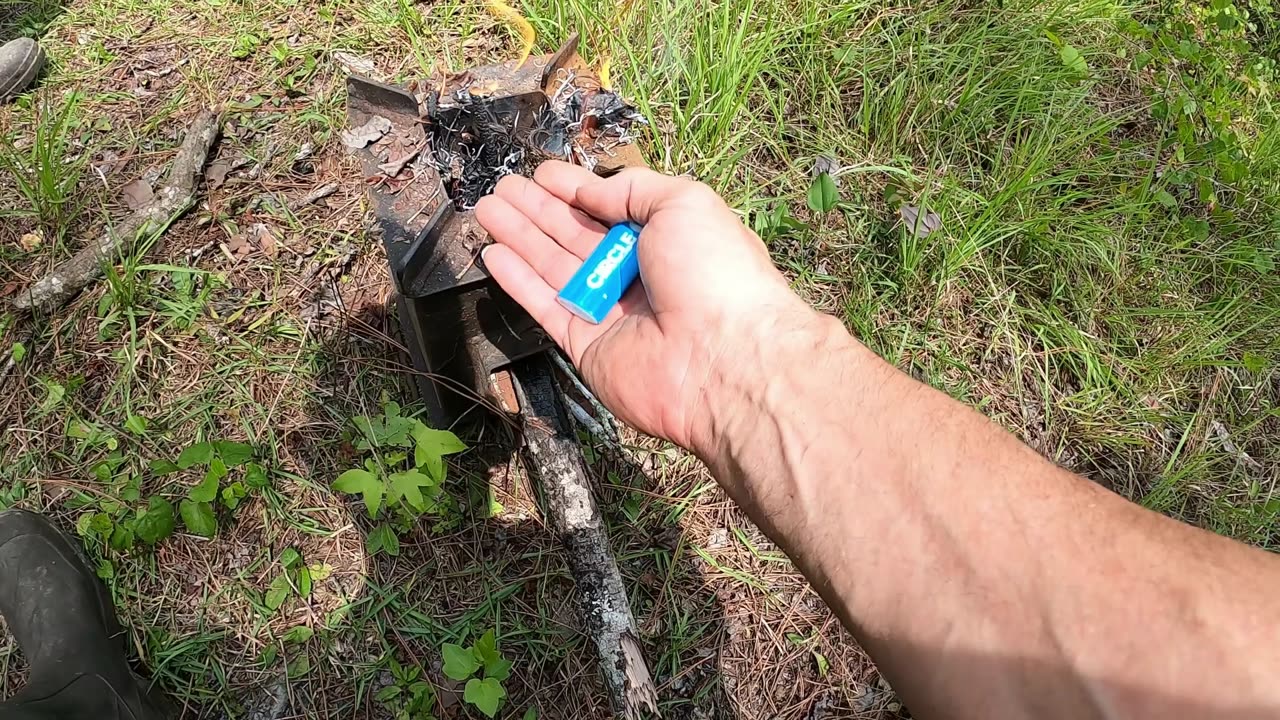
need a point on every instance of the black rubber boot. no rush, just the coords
(63, 619)
(20, 62)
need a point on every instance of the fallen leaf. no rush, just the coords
(392, 168)
(239, 245)
(266, 239)
(30, 241)
(355, 64)
(137, 193)
(922, 226)
(371, 131)
(109, 164)
(216, 175)
(825, 164)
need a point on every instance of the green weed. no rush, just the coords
(394, 485)
(48, 171)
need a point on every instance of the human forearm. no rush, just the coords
(977, 574)
(984, 581)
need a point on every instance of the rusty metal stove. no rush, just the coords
(461, 329)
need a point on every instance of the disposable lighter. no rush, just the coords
(605, 275)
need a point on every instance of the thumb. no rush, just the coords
(634, 194)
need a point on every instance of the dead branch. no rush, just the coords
(177, 196)
(556, 458)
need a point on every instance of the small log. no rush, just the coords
(553, 453)
(174, 198)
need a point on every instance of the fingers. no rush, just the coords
(636, 194)
(573, 229)
(514, 229)
(527, 288)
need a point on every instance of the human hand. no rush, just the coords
(709, 293)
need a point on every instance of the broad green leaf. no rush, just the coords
(365, 484)
(304, 582)
(290, 557)
(408, 485)
(18, 352)
(54, 392)
(255, 476)
(136, 424)
(824, 666)
(277, 593)
(157, 523)
(486, 651)
(163, 467)
(389, 692)
(1164, 198)
(383, 538)
(299, 666)
(233, 494)
(207, 490)
(823, 195)
(485, 694)
(199, 518)
(1073, 60)
(459, 663)
(233, 453)
(121, 538)
(198, 454)
(1254, 362)
(530, 714)
(299, 635)
(430, 446)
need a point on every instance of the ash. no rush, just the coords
(473, 147)
(579, 125)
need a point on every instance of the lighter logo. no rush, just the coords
(611, 260)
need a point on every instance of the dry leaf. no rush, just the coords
(924, 225)
(216, 175)
(239, 246)
(825, 164)
(30, 241)
(371, 131)
(110, 163)
(137, 193)
(266, 239)
(393, 167)
(356, 64)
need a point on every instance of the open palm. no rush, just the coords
(703, 275)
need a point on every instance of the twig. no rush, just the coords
(608, 423)
(176, 197)
(316, 195)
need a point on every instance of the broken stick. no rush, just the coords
(556, 458)
(177, 196)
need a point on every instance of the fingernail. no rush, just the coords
(484, 252)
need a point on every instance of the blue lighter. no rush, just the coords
(605, 275)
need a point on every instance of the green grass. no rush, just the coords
(1102, 283)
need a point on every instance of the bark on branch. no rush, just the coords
(556, 458)
(174, 198)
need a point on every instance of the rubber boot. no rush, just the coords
(21, 61)
(61, 616)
